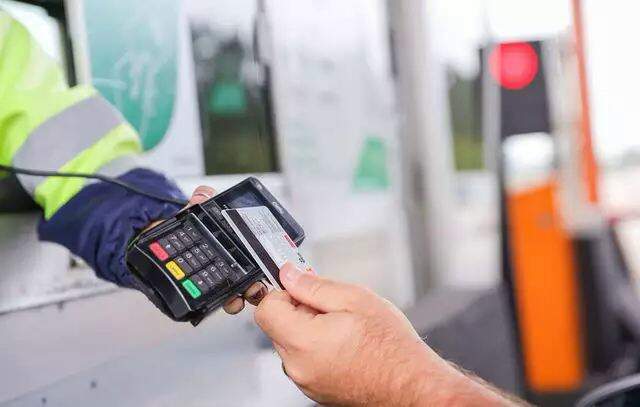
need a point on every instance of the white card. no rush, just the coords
(263, 236)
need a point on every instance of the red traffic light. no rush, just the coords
(514, 65)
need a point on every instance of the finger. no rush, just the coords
(234, 306)
(307, 310)
(279, 318)
(322, 294)
(280, 350)
(256, 293)
(201, 194)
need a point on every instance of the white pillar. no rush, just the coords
(426, 143)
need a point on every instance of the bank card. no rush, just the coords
(266, 240)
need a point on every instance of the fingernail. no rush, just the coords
(259, 295)
(290, 273)
(204, 191)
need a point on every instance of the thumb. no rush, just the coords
(319, 293)
(201, 194)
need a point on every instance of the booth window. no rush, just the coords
(233, 88)
(46, 21)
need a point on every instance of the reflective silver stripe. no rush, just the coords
(29, 183)
(62, 137)
(118, 167)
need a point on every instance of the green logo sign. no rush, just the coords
(372, 172)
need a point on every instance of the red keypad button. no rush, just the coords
(158, 251)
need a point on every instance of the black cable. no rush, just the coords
(99, 177)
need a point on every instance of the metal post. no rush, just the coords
(425, 142)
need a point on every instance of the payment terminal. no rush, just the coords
(190, 265)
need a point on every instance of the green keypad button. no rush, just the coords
(191, 289)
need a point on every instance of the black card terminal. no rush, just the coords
(190, 265)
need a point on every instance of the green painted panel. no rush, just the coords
(133, 48)
(372, 173)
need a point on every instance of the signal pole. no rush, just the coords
(589, 164)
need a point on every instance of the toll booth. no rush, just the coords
(215, 97)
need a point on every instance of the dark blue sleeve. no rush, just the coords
(98, 223)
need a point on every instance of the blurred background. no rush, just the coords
(474, 161)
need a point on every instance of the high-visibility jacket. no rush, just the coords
(47, 125)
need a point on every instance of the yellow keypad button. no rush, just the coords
(175, 270)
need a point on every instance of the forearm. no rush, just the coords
(98, 223)
(510, 399)
(448, 384)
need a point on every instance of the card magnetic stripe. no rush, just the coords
(255, 244)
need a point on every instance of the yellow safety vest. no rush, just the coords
(47, 125)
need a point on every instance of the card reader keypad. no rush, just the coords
(194, 262)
